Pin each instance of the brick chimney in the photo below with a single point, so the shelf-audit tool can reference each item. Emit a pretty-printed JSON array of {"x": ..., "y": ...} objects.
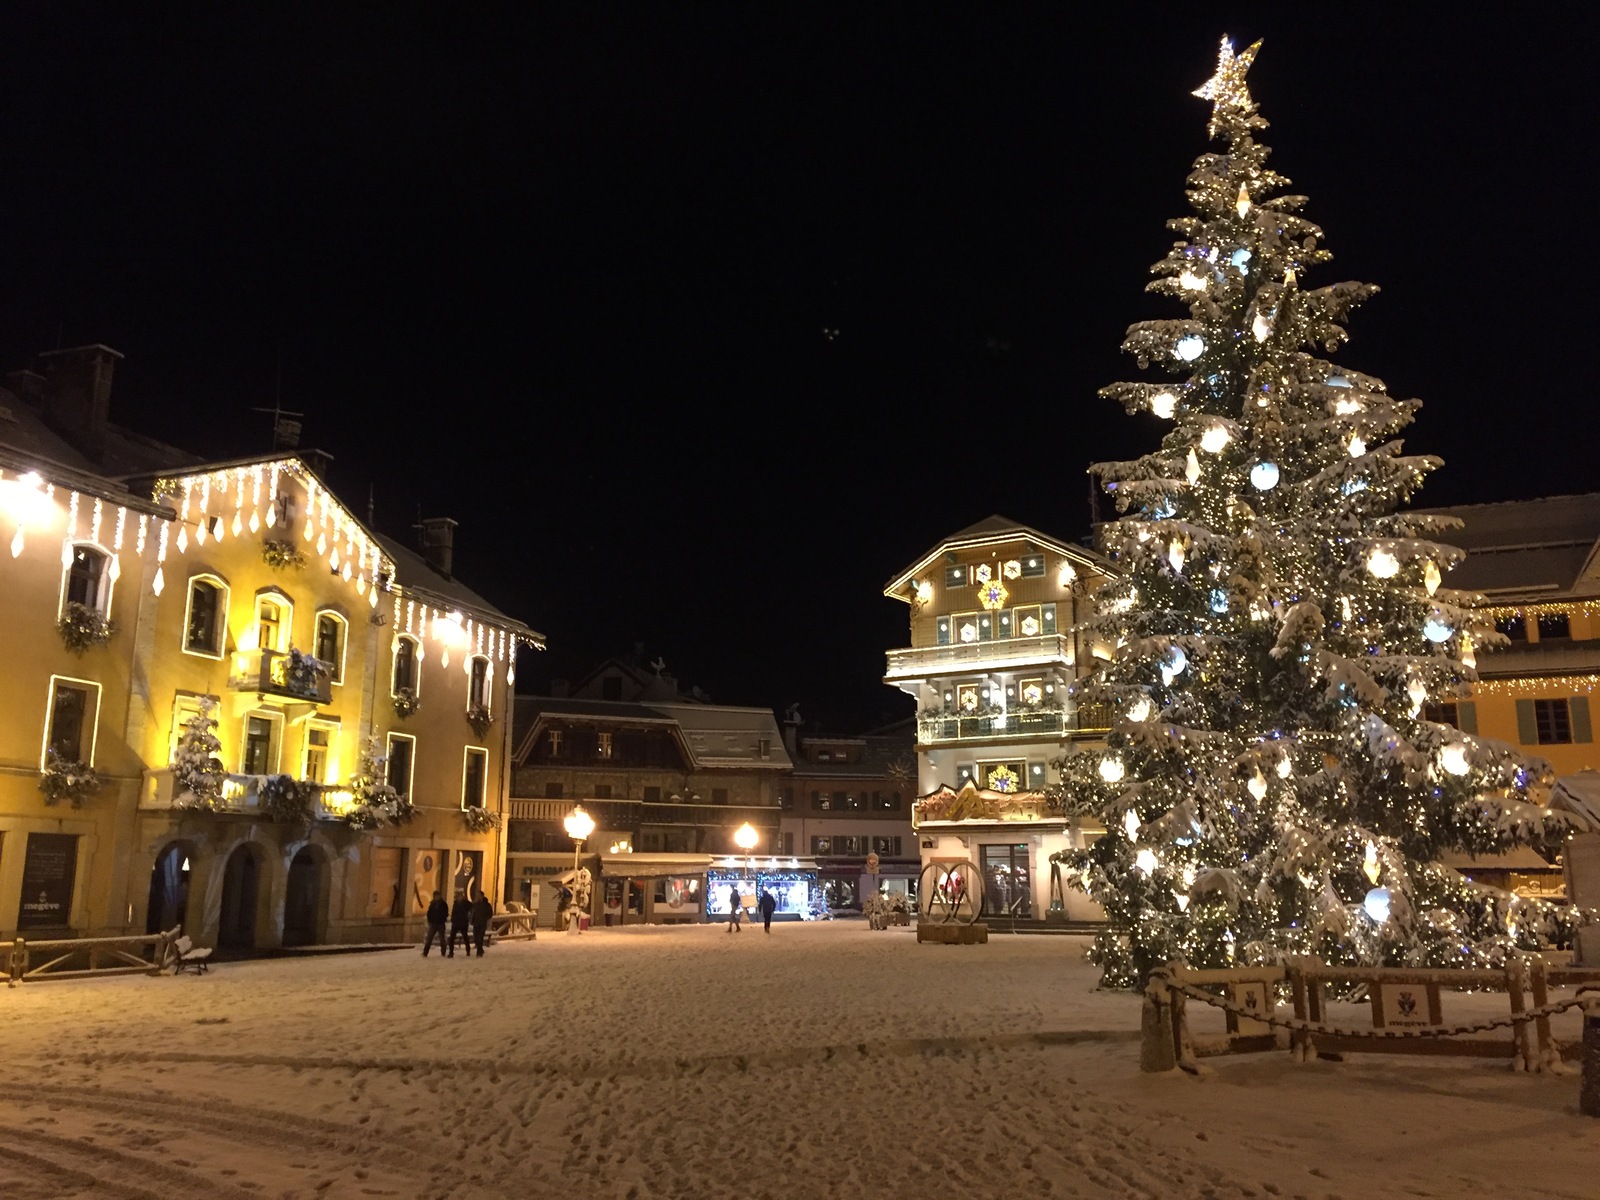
[
  {"x": 438, "y": 542},
  {"x": 77, "y": 395}
]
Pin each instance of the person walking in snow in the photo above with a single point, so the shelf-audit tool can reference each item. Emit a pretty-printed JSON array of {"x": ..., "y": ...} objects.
[
  {"x": 482, "y": 910},
  {"x": 767, "y": 905},
  {"x": 460, "y": 923},
  {"x": 735, "y": 910},
  {"x": 438, "y": 914}
]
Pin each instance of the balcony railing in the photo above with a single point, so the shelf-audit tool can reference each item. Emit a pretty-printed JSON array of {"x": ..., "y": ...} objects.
[
  {"x": 266, "y": 672},
  {"x": 952, "y": 727},
  {"x": 919, "y": 661},
  {"x": 242, "y": 794}
]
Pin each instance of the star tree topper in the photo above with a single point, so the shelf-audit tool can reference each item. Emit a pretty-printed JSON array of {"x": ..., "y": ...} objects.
[{"x": 1226, "y": 89}]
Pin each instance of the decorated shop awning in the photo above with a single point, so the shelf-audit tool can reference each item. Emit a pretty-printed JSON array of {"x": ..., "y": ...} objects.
[
  {"x": 972, "y": 803},
  {"x": 653, "y": 866}
]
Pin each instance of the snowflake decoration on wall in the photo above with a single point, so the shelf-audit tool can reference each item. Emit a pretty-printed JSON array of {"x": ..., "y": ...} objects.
[
  {"x": 1003, "y": 779},
  {"x": 993, "y": 595}
]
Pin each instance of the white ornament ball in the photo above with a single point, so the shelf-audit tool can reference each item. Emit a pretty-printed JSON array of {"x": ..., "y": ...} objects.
[
  {"x": 1377, "y": 904},
  {"x": 1264, "y": 476},
  {"x": 1111, "y": 769},
  {"x": 1190, "y": 347},
  {"x": 1164, "y": 404},
  {"x": 1214, "y": 439},
  {"x": 1146, "y": 861},
  {"x": 1436, "y": 629},
  {"x": 1383, "y": 564},
  {"x": 1453, "y": 759}
]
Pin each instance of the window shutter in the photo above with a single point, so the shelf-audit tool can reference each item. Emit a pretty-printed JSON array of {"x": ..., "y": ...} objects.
[
  {"x": 1467, "y": 716},
  {"x": 1527, "y": 727},
  {"x": 1578, "y": 706}
]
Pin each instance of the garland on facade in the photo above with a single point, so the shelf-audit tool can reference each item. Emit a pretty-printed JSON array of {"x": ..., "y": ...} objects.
[
  {"x": 81, "y": 627},
  {"x": 197, "y": 771},
  {"x": 68, "y": 780},
  {"x": 378, "y": 802},
  {"x": 282, "y": 555},
  {"x": 480, "y": 820},
  {"x": 406, "y": 703},
  {"x": 286, "y": 801},
  {"x": 303, "y": 674},
  {"x": 479, "y": 718}
]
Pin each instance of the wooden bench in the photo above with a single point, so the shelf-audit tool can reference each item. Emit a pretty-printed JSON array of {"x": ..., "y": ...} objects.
[{"x": 186, "y": 956}]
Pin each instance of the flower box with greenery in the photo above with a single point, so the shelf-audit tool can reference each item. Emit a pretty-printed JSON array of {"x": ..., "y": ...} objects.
[
  {"x": 81, "y": 627},
  {"x": 282, "y": 555},
  {"x": 67, "y": 780},
  {"x": 303, "y": 674},
  {"x": 480, "y": 718},
  {"x": 286, "y": 801},
  {"x": 197, "y": 772},
  {"x": 406, "y": 703},
  {"x": 378, "y": 803},
  {"x": 480, "y": 820}
]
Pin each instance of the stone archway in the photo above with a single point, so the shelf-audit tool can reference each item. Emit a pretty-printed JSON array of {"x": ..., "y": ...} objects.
[
  {"x": 305, "y": 898},
  {"x": 169, "y": 889},
  {"x": 241, "y": 888}
]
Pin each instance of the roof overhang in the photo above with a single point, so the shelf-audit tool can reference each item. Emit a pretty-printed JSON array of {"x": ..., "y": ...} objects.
[{"x": 900, "y": 587}]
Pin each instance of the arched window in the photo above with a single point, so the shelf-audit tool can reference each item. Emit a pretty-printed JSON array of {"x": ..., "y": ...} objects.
[
  {"x": 205, "y": 624},
  {"x": 331, "y": 637},
  {"x": 88, "y": 579},
  {"x": 478, "y": 682},
  {"x": 406, "y": 674},
  {"x": 274, "y": 621}
]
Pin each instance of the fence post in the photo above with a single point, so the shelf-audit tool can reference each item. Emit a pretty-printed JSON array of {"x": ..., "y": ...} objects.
[
  {"x": 1549, "y": 1057},
  {"x": 1589, "y": 1087},
  {"x": 19, "y": 961},
  {"x": 1516, "y": 981},
  {"x": 1157, "y": 1043}
]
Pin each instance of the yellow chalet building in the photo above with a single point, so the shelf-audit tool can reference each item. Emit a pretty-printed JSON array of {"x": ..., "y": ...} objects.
[
  {"x": 991, "y": 664},
  {"x": 145, "y": 587}
]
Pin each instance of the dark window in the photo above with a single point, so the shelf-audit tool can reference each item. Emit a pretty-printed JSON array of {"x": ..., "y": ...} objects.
[
  {"x": 1554, "y": 721},
  {"x": 68, "y": 720},
  {"x": 886, "y": 845},
  {"x": 328, "y": 647},
  {"x": 257, "y": 746},
  {"x": 405, "y": 665},
  {"x": 1514, "y": 627},
  {"x": 611, "y": 687},
  {"x": 840, "y": 802},
  {"x": 821, "y": 845},
  {"x": 955, "y": 577},
  {"x": 1445, "y": 713},
  {"x": 886, "y": 801},
  {"x": 719, "y": 795},
  {"x": 601, "y": 791},
  {"x": 1033, "y": 566},
  {"x": 819, "y": 802},
  {"x": 786, "y": 797},
  {"x": 205, "y": 607},
  {"x": 1554, "y": 625},
  {"x": 478, "y": 683},
  {"x": 477, "y": 772},
  {"x": 553, "y": 791},
  {"x": 399, "y": 766},
  {"x": 652, "y": 795},
  {"x": 554, "y": 743},
  {"x": 83, "y": 577},
  {"x": 786, "y": 841}
]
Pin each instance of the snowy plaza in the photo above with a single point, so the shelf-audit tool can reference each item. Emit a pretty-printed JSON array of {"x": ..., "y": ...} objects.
[{"x": 823, "y": 1060}]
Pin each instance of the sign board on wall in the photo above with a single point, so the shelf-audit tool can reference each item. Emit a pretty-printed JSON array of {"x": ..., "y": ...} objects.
[{"x": 49, "y": 870}]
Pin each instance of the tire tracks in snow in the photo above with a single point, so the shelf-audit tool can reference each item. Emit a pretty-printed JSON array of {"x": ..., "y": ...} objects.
[
  {"x": 83, "y": 1164},
  {"x": 629, "y": 1068}
]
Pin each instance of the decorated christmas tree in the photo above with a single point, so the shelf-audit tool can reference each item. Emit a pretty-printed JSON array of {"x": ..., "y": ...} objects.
[
  {"x": 377, "y": 801},
  {"x": 196, "y": 769},
  {"x": 1273, "y": 783}
]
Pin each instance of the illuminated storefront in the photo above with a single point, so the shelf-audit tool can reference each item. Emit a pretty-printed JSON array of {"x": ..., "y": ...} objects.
[
  {"x": 792, "y": 881},
  {"x": 652, "y": 889}
]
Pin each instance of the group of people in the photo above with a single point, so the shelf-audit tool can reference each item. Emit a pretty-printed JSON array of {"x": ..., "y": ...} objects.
[
  {"x": 468, "y": 920},
  {"x": 766, "y": 905}
]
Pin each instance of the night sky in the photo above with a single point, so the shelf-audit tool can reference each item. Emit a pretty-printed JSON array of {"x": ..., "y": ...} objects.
[{"x": 568, "y": 273}]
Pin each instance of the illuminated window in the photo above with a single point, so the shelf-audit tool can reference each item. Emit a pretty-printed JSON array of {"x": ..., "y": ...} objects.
[
  {"x": 401, "y": 751},
  {"x": 474, "y": 777},
  {"x": 603, "y": 744},
  {"x": 272, "y": 623},
  {"x": 88, "y": 579},
  {"x": 478, "y": 683},
  {"x": 405, "y": 673},
  {"x": 955, "y": 577},
  {"x": 1033, "y": 566},
  {"x": 553, "y": 746},
  {"x": 330, "y": 644},
  {"x": 206, "y": 623},
  {"x": 319, "y": 746},
  {"x": 70, "y": 731}
]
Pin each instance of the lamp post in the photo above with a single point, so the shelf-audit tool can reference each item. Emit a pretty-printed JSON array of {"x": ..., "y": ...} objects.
[
  {"x": 746, "y": 837},
  {"x": 579, "y": 825}
]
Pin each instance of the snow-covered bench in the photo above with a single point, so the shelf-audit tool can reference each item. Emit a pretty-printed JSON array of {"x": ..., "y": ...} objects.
[{"x": 186, "y": 956}]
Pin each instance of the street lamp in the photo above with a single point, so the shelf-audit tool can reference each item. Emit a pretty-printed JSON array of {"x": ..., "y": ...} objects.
[
  {"x": 579, "y": 825},
  {"x": 745, "y": 837}
]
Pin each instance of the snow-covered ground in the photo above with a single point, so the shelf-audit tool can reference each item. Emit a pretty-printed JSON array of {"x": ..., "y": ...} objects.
[{"x": 826, "y": 1060}]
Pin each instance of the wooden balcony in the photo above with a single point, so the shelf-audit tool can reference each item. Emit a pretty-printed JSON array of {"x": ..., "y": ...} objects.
[
  {"x": 1084, "y": 720},
  {"x": 1000, "y": 654},
  {"x": 241, "y": 794}
]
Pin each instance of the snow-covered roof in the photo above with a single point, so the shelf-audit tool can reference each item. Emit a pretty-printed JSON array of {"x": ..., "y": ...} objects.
[
  {"x": 719, "y": 736},
  {"x": 1534, "y": 548},
  {"x": 1578, "y": 796}
]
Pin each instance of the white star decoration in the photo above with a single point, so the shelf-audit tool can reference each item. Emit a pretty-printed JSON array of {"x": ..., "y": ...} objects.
[{"x": 1226, "y": 89}]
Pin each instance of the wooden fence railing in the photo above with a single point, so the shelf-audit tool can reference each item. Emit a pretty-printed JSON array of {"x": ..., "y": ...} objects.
[{"x": 142, "y": 954}]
